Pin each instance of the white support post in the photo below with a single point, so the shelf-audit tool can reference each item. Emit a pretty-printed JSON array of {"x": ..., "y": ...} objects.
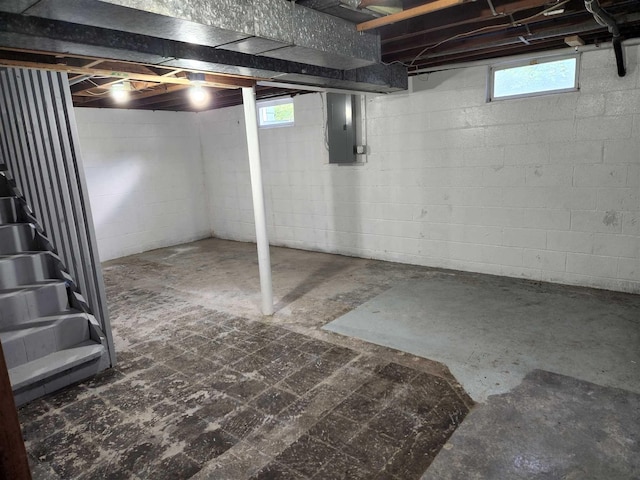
[{"x": 253, "y": 144}]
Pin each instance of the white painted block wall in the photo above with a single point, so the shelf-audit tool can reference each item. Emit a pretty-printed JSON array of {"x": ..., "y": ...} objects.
[
  {"x": 145, "y": 178},
  {"x": 545, "y": 188}
]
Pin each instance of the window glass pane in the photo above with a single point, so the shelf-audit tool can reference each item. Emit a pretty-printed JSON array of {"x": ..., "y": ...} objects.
[
  {"x": 542, "y": 77},
  {"x": 281, "y": 114}
]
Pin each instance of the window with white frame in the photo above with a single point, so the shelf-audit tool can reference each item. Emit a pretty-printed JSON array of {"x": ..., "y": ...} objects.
[
  {"x": 276, "y": 113},
  {"x": 534, "y": 77}
]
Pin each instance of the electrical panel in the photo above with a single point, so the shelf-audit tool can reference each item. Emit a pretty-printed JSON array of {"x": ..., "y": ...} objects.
[{"x": 341, "y": 127}]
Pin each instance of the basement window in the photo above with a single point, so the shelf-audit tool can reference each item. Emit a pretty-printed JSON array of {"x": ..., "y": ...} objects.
[
  {"x": 534, "y": 77},
  {"x": 276, "y": 113}
]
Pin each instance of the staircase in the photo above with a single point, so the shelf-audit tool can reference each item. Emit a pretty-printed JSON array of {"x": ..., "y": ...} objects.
[{"x": 49, "y": 337}]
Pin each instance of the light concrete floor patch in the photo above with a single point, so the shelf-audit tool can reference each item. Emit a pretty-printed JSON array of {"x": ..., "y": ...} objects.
[{"x": 492, "y": 331}]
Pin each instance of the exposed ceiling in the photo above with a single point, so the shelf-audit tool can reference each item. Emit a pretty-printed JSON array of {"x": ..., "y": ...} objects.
[
  {"x": 476, "y": 30},
  {"x": 289, "y": 46}
]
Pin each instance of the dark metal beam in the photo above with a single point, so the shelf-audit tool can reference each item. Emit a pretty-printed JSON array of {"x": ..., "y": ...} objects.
[{"x": 34, "y": 33}]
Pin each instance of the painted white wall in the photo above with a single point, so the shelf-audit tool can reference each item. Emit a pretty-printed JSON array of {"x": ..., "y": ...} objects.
[
  {"x": 145, "y": 178},
  {"x": 546, "y": 188}
]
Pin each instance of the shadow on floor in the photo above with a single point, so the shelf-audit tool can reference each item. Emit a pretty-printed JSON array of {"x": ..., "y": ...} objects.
[{"x": 314, "y": 280}]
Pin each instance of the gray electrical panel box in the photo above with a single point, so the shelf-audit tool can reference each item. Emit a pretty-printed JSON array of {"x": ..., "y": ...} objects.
[{"x": 341, "y": 128}]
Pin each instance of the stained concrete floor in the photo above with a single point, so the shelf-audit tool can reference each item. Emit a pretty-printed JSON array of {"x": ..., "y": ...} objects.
[
  {"x": 207, "y": 388},
  {"x": 550, "y": 427}
]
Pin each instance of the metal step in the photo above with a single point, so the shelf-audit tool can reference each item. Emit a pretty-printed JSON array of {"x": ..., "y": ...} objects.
[
  {"x": 38, "y": 339},
  {"x": 56, "y": 370},
  {"x": 18, "y": 305},
  {"x": 17, "y": 238},
  {"x": 29, "y": 268},
  {"x": 9, "y": 210}
]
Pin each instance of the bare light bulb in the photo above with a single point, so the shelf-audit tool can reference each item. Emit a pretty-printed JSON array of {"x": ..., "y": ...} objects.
[
  {"x": 119, "y": 92},
  {"x": 199, "y": 96}
]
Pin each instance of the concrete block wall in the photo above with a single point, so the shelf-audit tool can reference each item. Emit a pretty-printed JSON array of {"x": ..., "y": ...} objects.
[
  {"x": 145, "y": 178},
  {"x": 544, "y": 188}
]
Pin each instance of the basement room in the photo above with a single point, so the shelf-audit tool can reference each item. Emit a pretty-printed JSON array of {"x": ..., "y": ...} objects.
[{"x": 320, "y": 239}]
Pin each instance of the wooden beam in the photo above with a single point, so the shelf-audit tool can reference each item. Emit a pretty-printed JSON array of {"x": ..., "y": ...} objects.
[
  {"x": 409, "y": 13},
  {"x": 93, "y": 63},
  {"x": 211, "y": 80},
  {"x": 172, "y": 72},
  {"x": 13, "y": 456},
  {"x": 147, "y": 98},
  {"x": 444, "y": 20}
]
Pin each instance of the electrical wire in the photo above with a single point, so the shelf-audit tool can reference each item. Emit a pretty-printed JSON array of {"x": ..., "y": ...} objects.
[{"x": 482, "y": 29}]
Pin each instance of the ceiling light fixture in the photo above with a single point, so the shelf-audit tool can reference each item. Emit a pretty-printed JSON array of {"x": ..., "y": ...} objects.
[
  {"x": 198, "y": 94},
  {"x": 120, "y": 91}
]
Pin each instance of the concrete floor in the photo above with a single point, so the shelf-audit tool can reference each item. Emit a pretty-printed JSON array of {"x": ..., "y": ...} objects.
[
  {"x": 491, "y": 331},
  {"x": 208, "y": 388},
  {"x": 495, "y": 334},
  {"x": 550, "y": 427}
]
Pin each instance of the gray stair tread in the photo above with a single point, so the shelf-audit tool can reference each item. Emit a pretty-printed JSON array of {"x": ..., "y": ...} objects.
[
  {"x": 54, "y": 363},
  {"x": 5, "y": 256},
  {"x": 33, "y": 253},
  {"x": 31, "y": 286},
  {"x": 39, "y": 324},
  {"x": 42, "y": 322},
  {"x": 11, "y": 225}
]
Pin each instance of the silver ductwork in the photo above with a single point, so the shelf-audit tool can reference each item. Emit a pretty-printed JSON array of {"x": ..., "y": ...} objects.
[{"x": 272, "y": 28}]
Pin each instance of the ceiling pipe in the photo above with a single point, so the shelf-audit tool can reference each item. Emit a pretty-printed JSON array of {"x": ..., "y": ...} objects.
[{"x": 606, "y": 20}]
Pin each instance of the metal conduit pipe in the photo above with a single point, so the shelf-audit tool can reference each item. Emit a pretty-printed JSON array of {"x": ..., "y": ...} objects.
[{"x": 606, "y": 20}]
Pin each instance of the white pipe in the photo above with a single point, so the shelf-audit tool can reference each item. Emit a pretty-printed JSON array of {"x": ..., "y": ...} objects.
[{"x": 253, "y": 145}]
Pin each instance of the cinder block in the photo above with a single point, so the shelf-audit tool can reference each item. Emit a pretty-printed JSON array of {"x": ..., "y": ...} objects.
[
  {"x": 633, "y": 176},
  {"x": 604, "y": 175},
  {"x": 573, "y": 153},
  {"x": 623, "y": 102},
  {"x": 616, "y": 245},
  {"x": 595, "y": 221},
  {"x": 622, "y": 151},
  {"x": 548, "y": 219},
  {"x": 484, "y": 156},
  {"x": 572, "y": 198},
  {"x": 592, "y": 265},
  {"x": 465, "y": 233},
  {"x": 631, "y": 223},
  {"x": 530, "y": 154},
  {"x": 507, "y": 176},
  {"x": 552, "y": 131},
  {"x": 603, "y": 128},
  {"x": 618, "y": 199},
  {"x": 528, "y": 197},
  {"x": 544, "y": 259},
  {"x": 590, "y": 104},
  {"x": 549, "y": 175},
  {"x": 629, "y": 269},
  {"x": 499, "y": 135},
  {"x": 491, "y": 254},
  {"x": 604, "y": 79},
  {"x": 524, "y": 237}
]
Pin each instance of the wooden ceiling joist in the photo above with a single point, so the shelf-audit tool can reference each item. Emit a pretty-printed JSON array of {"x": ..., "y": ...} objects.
[
  {"x": 409, "y": 13},
  {"x": 217, "y": 81}
]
